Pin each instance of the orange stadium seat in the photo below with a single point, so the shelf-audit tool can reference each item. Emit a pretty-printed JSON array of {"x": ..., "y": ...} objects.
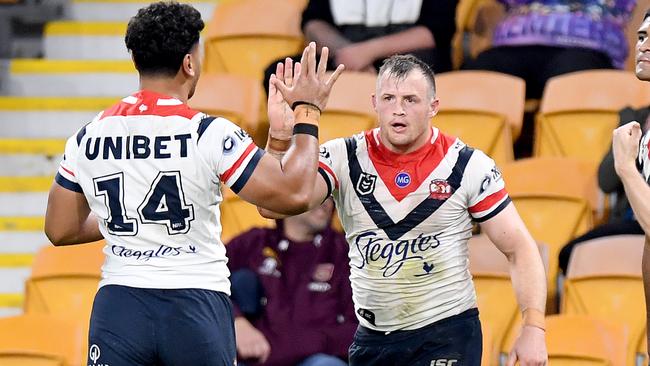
[
  {"x": 554, "y": 197},
  {"x": 579, "y": 110},
  {"x": 238, "y": 216},
  {"x": 245, "y": 36},
  {"x": 471, "y": 110},
  {"x": 608, "y": 289},
  {"x": 498, "y": 308},
  {"x": 234, "y": 97},
  {"x": 349, "y": 108},
  {"x": 40, "y": 340}
]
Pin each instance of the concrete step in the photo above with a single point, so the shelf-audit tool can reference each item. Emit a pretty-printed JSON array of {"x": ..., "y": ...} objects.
[
  {"x": 23, "y": 204},
  {"x": 21, "y": 242},
  {"x": 70, "y": 78},
  {"x": 85, "y": 40},
  {"x": 49, "y": 117},
  {"x": 123, "y": 10},
  {"x": 25, "y": 165},
  {"x": 25, "y": 184}
]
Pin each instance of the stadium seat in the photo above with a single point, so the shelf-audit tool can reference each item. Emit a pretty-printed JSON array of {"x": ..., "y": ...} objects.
[
  {"x": 40, "y": 340},
  {"x": 604, "y": 280},
  {"x": 496, "y": 299},
  {"x": 470, "y": 110},
  {"x": 234, "y": 97},
  {"x": 64, "y": 280},
  {"x": 579, "y": 110},
  {"x": 244, "y": 37},
  {"x": 238, "y": 216},
  {"x": 349, "y": 108},
  {"x": 580, "y": 340},
  {"x": 553, "y": 213}
]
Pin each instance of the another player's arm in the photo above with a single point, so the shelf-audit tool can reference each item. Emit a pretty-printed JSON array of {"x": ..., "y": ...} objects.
[
  {"x": 287, "y": 186},
  {"x": 508, "y": 232},
  {"x": 68, "y": 219},
  {"x": 625, "y": 146}
]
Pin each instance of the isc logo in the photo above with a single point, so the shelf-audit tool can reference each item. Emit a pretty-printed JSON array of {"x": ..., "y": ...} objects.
[{"x": 443, "y": 362}]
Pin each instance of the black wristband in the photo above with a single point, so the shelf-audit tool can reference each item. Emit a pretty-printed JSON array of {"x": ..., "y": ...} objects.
[
  {"x": 306, "y": 128},
  {"x": 300, "y": 102}
]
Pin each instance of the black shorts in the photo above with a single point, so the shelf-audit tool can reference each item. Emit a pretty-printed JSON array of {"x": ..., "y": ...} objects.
[
  {"x": 454, "y": 341},
  {"x": 138, "y": 326}
]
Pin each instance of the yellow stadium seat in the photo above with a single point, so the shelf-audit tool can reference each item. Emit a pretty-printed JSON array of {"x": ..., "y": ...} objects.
[
  {"x": 495, "y": 295},
  {"x": 245, "y": 36},
  {"x": 234, "y": 97},
  {"x": 604, "y": 280},
  {"x": 238, "y": 216},
  {"x": 554, "y": 197},
  {"x": 64, "y": 280},
  {"x": 579, "y": 110},
  {"x": 470, "y": 110},
  {"x": 40, "y": 340},
  {"x": 349, "y": 108}
]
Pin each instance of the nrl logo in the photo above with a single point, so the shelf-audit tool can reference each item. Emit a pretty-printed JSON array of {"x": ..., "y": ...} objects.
[{"x": 366, "y": 184}]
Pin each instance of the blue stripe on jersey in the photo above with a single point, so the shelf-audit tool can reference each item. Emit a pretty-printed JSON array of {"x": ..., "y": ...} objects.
[
  {"x": 395, "y": 230},
  {"x": 67, "y": 184},
  {"x": 203, "y": 125},
  {"x": 81, "y": 135},
  {"x": 495, "y": 211},
  {"x": 327, "y": 181},
  {"x": 248, "y": 171}
]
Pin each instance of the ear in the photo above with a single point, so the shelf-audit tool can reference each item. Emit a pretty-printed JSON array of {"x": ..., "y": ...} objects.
[
  {"x": 433, "y": 108},
  {"x": 189, "y": 65},
  {"x": 373, "y": 100}
]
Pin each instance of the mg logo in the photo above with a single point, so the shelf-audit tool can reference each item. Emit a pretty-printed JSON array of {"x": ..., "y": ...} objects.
[
  {"x": 94, "y": 353},
  {"x": 403, "y": 179}
]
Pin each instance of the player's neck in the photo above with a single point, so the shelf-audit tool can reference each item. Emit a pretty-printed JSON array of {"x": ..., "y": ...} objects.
[{"x": 164, "y": 86}]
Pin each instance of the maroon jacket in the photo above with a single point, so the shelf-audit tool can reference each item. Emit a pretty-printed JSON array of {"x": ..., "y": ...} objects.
[{"x": 309, "y": 305}]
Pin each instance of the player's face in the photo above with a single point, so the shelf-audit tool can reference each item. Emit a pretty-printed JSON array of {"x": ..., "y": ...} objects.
[
  {"x": 643, "y": 51},
  {"x": 404, "y": 108},
  {"x": 319, "y": 218}
]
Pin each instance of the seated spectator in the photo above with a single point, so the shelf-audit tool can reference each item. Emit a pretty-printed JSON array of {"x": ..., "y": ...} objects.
[
  {"x": 537, "y": 40},
  {"x": 291, "y": 292},
  {"x": 621, "y": 218},
  {"x": 361, "y": 33}
]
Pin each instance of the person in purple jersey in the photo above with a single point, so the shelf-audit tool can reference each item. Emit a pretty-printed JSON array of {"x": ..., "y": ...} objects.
[
  {"x": 627, "y": 146},
  {"x": 291, "y": 292},
  {"x": 539, "y": 39}
]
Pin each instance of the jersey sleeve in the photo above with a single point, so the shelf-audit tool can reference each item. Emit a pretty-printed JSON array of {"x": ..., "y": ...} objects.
[
  {"x": 330, "y": 158},
  {"x": 644, "y": 156},
  {"x": 486, "y": 188},
  {"x": 230, "y": 151},
  {"x": 66, "y": 176}
]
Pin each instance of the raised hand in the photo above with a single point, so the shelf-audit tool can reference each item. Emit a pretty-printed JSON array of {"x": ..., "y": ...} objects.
[
  {"x": 625, "y": 146},
  {"x": 281, "y": 119},
  {"x": 310, "y": 82}
]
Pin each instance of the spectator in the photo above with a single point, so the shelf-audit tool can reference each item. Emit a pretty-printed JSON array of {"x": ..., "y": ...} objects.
[
  {"x": 291, "y": 292},
  {"x": 621, "y": 218},
  {"x": 360, "y": 34},
  {"x": 537, "y": 40}
]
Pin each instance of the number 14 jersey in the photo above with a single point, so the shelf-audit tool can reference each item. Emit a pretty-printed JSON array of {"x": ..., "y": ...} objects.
[{"x": 151, "y": 170}]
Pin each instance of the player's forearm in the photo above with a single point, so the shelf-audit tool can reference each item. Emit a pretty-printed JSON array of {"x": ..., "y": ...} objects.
[
  {"x": 325, "y": 35},
  {"x": 415, "y": 38},
  {"x": 638, "y": 193},
  {"x": 528, "y": 276},
  {"x": 65, "y": 234}
]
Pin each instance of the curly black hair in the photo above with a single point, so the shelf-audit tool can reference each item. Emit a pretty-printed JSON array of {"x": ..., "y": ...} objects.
[{"x": 160, "y": 35}]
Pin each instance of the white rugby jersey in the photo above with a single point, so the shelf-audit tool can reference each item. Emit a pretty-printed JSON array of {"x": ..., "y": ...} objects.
[
  {"x": 407, "y": 219},
  {"x": 644, "y": 156},
  {"x": 151, "y": 169}
]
